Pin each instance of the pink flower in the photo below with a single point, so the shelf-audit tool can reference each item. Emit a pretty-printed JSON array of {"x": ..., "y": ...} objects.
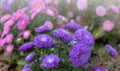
[
  {"x": 9, "y": 38},
  {"x": 115, "y": 9},
  {"x": 2, "y": 42},
  {"x": 68, "y": 1},
  {"x": 23, "y": 22},
  {"x": 70, "y": 14},
  {"x": 78, "y": 18},
  {"x": 82, "y": 5},
  {"x": 6, "y": 30},
  {"x": 100, "y": 11},
  {"x": 26, "y": 34},
  {"x": 5, "y": 18},
  {"x": 108, "y": 25},
  {"x": 9, "y": 23},
  {"x": 9, "y": 48},
  {"x": 56, "y": 2},
  {"x": 36, "y": 6},
  {"x": 17, "y": 15},
  {"x": 62, "y": 18},
  {"x": 47, "y": 1},
  {"x": 60, "y": 24},
  {"x": 51, "y": 11},
  {"x": 49, "y": 24}
]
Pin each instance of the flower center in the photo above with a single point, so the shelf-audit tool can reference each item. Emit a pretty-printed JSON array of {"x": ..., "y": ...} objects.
[{"x": 37, "y": 5}]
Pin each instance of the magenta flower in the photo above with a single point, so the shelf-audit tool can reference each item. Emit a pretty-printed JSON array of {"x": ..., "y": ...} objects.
[
  {"x": 9, "y": 23},
  {"x": 2, "y": 42},
  {"x": 5, "y": 17},
  {"x": 49, "y": 24},
  {"x": 100, "y": 11},
  {"x": 115, "y": 9},
  {"x": 9, "y": 48},
  {"x": 17, "y": 15},
  {"x": 9, "y": 38},
  {"x": 82, "y": 5},
  {"x": 6, "y": 30},
  {"x": 108, "y": 25},
  {"x": 26, "y": 34},
  {"x": 23, "y": 22}
]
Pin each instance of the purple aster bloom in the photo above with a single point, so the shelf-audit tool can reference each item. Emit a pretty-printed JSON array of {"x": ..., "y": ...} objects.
[
  {"x": 51, "y": 61},
  {"x": 42, "y": 29},
  {"x": 44, "y": 41},
  {"x": 73, "y": 26},
  {"x": 30, "y": 57},
  {"x": 111, "y": 50},
  {"x": 6, "y": 5},
  {"x": 84, "y": 36},
  {"x": 26, "y": 46},
  {"x": 26, "y": 69},
  {"x": 98, "y": 68},
  {"x": 63, "y": 34},
  {"x": 80, "y": 54}
]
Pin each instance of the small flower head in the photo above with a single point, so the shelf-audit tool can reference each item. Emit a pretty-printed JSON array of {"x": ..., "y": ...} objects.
[
  {"x": 115, "y": 9},
  {"x": 108, "y": 25},
  {"x": 26, "y": 69},
  {"x": 98, "y": 68},
  {"x": 84, "y": 36},
  {"x": 9, "y": 48},
  {"x": 101, "y": 11},
  {"x": 5, "y": 17},
  {"x": 26, "y": 34},
  {"x": 26, "y": 46},
  {"x": 51, "y": 61},
  {"x": 73, "y": 26},
  {"x": 80, "y": 54},
  {"x": 44, "y": 41},
  {"x": 30, "y": 57},
  {"x": 37, "y": 6},
  {"x": 52, "y": 11},
  {"x": 111, "y": 50},
  {"x": 23, "y": 22},
  {"x": 9, "y": 38},
  {"x": 63, "y": 34},
  {"x": 82, "y": 5},
  {"x": 70, "y": 14},
  {"x": 49, "y": 24},
  {"x": 42, "y": 29}
]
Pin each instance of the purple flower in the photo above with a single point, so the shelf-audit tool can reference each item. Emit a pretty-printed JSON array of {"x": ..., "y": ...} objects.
[
  {"x": 44, "y": 41},
  {"x": 111, "y": 50},
  {"x": 80, "y": 54},
  {"x": 26, "y": 46},
  {"x": 73, "y": 26},
  {"x": 98, "y": 68},
  {"x": 30, "y": 57},
  {"x": 101, "y": 11},
  {"x": 51, "y": 61},
  {"x": 42, "y": 29},
  {"x": 108, "y": 25},
  {"x": 26, "y": 69},
  {"x": 6, "y": 5},
  {"x": 84, "y": 36},
  {"x": 82, "y": 5},
  {"x": 63, "y": 34}
]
